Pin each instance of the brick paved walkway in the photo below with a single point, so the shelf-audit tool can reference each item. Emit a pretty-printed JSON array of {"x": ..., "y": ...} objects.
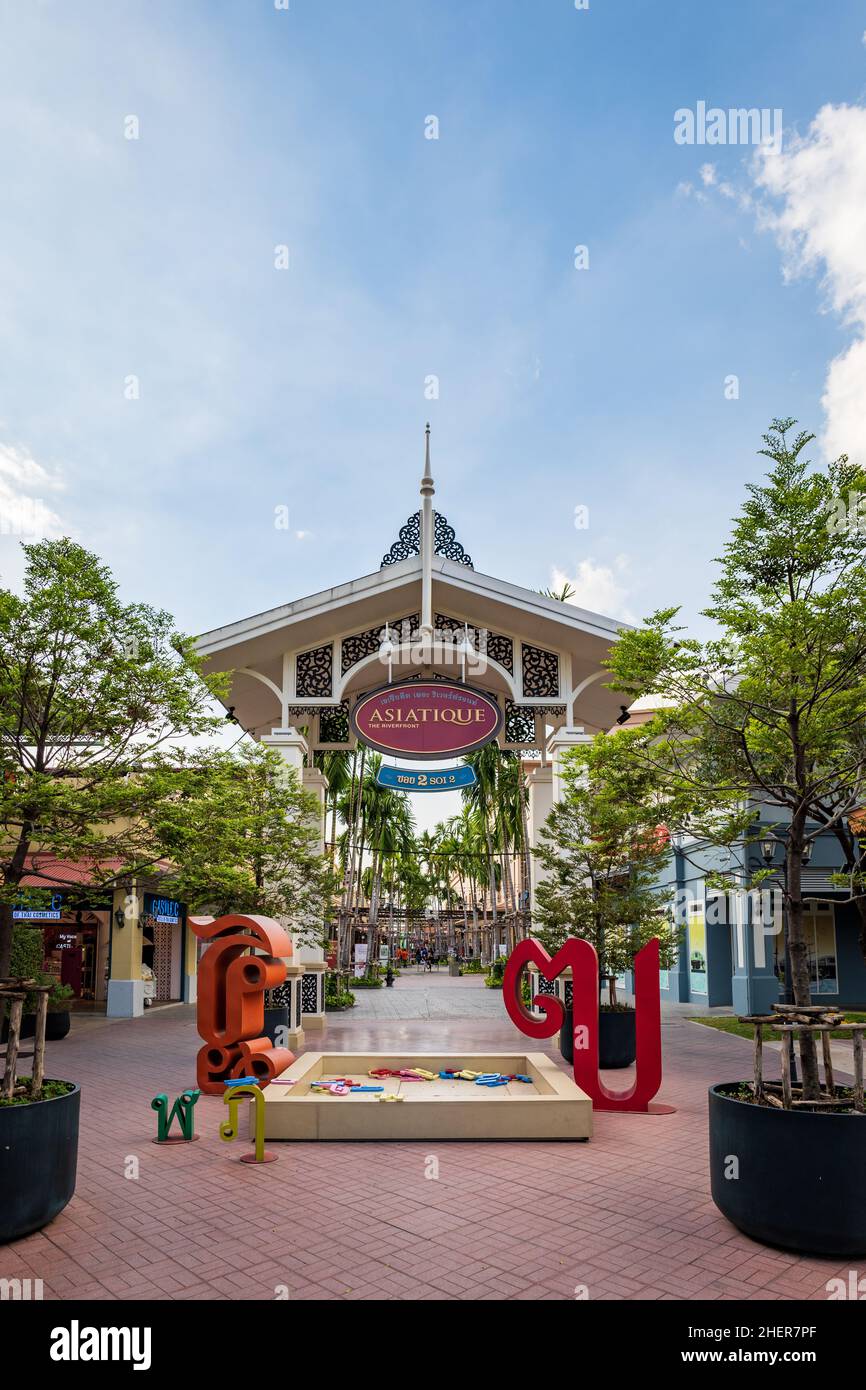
[{"x": 628, "y": 1215}]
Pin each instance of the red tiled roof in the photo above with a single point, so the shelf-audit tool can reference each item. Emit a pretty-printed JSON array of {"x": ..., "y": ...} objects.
[{"x": 44, "y": 870}]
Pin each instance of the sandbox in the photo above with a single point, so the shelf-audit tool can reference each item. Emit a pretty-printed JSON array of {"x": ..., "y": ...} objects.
[{"x": 550, "y": 1106}]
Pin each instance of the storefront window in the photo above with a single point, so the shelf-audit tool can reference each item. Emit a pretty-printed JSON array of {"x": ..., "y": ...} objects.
[
  {"x": 819, "y": 925},
  {"x": 697, "y": 950}
]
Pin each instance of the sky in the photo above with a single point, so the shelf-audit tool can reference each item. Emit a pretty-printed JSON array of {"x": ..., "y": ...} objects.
[{"x": 238, "y": 274}]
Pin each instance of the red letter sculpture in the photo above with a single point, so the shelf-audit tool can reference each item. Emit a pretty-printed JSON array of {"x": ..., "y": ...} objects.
[
  {"x": 231, "y": 999},
  {"x": 581, "y": 956}
]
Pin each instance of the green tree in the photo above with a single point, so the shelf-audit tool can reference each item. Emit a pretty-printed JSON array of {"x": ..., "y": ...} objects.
[
  {"x": 602, "y": 852},
  {"x": 773, "y": 708},
  {"x": 245, "y": 837},
  {"x": 92, "y": 692}
]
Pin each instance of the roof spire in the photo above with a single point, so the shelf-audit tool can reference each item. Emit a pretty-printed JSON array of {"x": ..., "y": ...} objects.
[
  {"x": 427, "y": 491},
  {"x": 428, "y": 476}
]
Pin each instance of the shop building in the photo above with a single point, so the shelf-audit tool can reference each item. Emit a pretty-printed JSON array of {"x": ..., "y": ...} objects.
[
  {"x": 119, "y": 950},
  {"x": 733, "y": 948}
]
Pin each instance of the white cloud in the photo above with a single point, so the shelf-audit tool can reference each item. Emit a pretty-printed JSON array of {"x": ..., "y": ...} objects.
[
  {"x": 597, "y": 587},
  {"x": 23, "y": 511},
  {"x": 708, "y": 174},
  {"x": 819, "y": 220}
]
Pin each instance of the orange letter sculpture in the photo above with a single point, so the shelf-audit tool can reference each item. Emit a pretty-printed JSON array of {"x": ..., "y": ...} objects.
[{"x": 231, "y": 999}]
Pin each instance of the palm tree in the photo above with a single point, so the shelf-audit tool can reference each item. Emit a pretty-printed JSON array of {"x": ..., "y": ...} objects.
[
  {"x": 334, "y": 763},
  {"x": 562, "y": 594},
  {"x": 388, "y": 826}
]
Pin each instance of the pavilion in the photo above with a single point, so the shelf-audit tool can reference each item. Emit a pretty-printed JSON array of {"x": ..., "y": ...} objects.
[{"x": 425, "y": 612}]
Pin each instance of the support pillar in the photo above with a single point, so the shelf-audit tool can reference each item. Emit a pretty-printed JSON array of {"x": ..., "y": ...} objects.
[
  {"x": 313, "y": 996},
  {"x": 540, "y": 792},
  {"x": 290, "y": 994},
  {"x": 190, "y": 968},
  {"x": 125, "y": 985},
  {"x": 316, "y": 783},
  {"x": 561, "y": 740}
]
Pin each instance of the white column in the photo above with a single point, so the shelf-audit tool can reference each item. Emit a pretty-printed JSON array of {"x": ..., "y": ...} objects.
[
  {"x": 316, "y": 783},
  {"x": 561, "y": 740},
  {"x": 293, "y": 749},
  {"x": 540, "y": 788},
  {"x": 291, "y": 746}
]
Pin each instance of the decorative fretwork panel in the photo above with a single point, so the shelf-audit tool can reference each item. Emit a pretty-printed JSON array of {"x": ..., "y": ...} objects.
[
  {"x": 362, "y": 644},
  {"x": 540, "y": 671},
  {"x": 314, "y": 676},
  {"x": 445, "y": 542},
  {"x": 519, "y": 723},
  {"x": 499, "y": 648},
  {"x": 162, "y": 934},
  {"x": 310, "y": 992},
  {"x": 334, "y": 724}
]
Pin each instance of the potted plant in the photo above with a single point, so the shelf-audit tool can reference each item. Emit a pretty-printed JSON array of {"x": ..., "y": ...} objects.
[
  {"x": 58, "y": 1022},
  {"x": 817, "y": 1204},
  {"x": 602, "y": 852},
  {"x": 38, "y": 1124}
]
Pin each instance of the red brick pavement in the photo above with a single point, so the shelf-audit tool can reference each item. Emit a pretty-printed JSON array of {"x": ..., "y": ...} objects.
[{"x": 627, "y": 1216}]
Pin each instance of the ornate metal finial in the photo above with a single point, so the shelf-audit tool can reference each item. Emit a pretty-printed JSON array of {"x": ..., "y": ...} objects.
[
  {"x": 444, "y": 539},
  {"x": 444, "y": 542}
]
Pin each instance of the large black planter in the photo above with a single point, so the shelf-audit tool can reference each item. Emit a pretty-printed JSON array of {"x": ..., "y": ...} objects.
[
  {"x": 799, "y": 1180},
  {"x": 57, "y": 1024},
  {"x": 616, "y": 1038},
  {"x": 275, "y": 1018},
  {"x": 38, "y": 1159}
]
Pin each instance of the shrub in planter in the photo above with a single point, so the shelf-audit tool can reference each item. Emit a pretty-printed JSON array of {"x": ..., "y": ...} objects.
[
  {"x": 617, "y": 1045},
  {"x": 798, "y": 1178},
  {"x": 339, "y": 1000},
  {"x": 495, "y": 973},
  {"x": 38, "y": 1136},
  {"x": 787, "y": 1160},
  {"x": 38, "y": 1157},
  {"x": 58, "y": 1022},
  {"x": 26, "y": 964},
  {"x": 276, "y": 1016}
]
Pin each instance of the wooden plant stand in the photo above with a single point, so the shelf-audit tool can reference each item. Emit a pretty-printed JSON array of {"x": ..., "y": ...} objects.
[{"x": 819, "y": 1021}]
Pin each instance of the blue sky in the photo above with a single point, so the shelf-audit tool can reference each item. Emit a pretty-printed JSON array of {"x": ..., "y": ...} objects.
[{"x": 409, "y": 257}]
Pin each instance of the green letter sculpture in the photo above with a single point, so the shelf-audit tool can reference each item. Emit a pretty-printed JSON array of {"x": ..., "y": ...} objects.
[{"x": 183, "y": 1108}]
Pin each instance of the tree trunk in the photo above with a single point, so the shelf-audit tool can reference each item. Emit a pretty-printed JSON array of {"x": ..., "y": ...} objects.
[{"x": 798, "y": 951}]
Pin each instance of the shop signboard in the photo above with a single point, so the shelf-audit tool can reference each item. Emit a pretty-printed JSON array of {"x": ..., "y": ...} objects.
[{"x": 426, "y": 719}]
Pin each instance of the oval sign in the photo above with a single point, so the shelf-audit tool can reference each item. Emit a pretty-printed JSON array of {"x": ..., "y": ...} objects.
[{"x": 423, "y": 719}]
